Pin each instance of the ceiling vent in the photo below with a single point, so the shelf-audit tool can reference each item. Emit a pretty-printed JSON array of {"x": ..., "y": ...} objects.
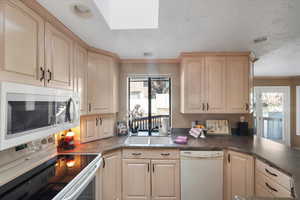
[
  {"x": 148, "y": 54},
  {"x": 82, "y": 10},
  {"x": 260, "y": 39}
]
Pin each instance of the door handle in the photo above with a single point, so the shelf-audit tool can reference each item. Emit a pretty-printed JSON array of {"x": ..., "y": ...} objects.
[
  {"x": 203, "y": 106},
  {"x": 96, "y": 121},
  {"x": 247, "y": 107},
  {"x": 90, "y": 107},
  {"x": 153, "y": 168},
  {"x": 42, "y": 74},
  {"x": 271, "y": 188},
  {"x": 207, "y": 108},
  {"x": 50, "y": 75}
]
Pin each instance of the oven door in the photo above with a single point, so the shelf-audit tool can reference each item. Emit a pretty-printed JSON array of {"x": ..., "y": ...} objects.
[{"x": 85, "y": 186}]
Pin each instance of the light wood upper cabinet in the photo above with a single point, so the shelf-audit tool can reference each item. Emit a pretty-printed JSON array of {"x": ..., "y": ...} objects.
[
  {"x": 216, "y": 77},
  {"x": 239, "y": 175},
  {"x": 237, "y": 74},
  {"x": 80, "y": 84},
  {"x": 21, "y": 43},
  {"x": 165, "y": 179},
  {"x": 136, "y": 179},
  {"x": 112, "y": 176},
  {"x": 89, "y": 130},
  {"x": 193, "y": 85},
  {"x": 215, "y": 83},
  {"x": 106, "y": 127},
  {"x": 102, "y": 84},
  {"x": 59, "y": 60}
]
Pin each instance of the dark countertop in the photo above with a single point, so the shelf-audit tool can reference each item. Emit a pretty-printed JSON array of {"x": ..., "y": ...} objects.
[{"x": 277, "y": 155}]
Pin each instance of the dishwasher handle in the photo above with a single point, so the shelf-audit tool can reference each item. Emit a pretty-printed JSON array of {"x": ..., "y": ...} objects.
[{"x": 201, "y": 154}]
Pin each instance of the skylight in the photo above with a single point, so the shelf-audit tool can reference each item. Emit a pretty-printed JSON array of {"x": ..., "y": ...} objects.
[{"x": 129, "y": 14}]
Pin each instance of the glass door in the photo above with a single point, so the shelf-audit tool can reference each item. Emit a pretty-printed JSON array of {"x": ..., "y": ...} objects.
[
  {"x": 149, "y": 103},
  {"x": 272, "y": 113}
]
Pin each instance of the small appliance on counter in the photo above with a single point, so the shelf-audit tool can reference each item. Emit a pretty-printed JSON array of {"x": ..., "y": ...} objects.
[
  {"x": 242, "y": 127},
  {"x": 68, "y": 141}
]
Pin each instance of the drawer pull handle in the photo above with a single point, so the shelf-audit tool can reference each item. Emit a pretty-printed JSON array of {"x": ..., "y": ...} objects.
[
  {"x": 270, "y": 172},
  {"x": 136, "y": 154},
  {"x": 165, "y": 154},
  {"x": 271, "y": 188}
]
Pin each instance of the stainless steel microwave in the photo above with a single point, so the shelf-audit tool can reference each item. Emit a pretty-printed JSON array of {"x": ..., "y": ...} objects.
[{"x": 28, "y": 112}]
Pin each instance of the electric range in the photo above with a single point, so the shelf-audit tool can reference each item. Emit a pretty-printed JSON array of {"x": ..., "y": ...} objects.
[{"x": 63, "y": 177}]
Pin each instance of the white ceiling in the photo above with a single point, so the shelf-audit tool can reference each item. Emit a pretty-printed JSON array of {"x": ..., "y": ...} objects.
[{"x": 200, "y": 25}]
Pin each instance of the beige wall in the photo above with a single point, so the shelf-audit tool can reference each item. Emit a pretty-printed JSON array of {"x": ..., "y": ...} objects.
[
  {"x": 178, "y": 120},
  {"x": 284, "y": 81}
]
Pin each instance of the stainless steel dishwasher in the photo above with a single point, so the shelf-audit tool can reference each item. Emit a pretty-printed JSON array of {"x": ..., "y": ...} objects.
[{"x": 201, "y": 175}]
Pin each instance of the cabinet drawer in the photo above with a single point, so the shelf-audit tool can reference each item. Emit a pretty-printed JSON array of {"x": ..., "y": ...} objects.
[
  {"x": 151, "y": 153},
  {"x": 274, "y": 174},
  {"x": 271, "y": 186}
]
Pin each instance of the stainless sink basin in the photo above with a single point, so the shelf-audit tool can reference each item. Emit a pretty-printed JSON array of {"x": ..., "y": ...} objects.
[
  {"x": 137, "y": 140},
  {"x": 140, "y": 140},
  {"x": 161, "y": 140}
]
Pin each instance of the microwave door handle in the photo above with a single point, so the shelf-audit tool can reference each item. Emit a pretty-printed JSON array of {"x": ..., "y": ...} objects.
[{"x": 83, "y": 184}]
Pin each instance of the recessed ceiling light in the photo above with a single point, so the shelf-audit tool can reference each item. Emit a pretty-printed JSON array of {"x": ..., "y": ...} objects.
[
  {"x": 82, "y": 10},
  {"x": 260, "y": 39},
  {"x": 133, "y": 14}
]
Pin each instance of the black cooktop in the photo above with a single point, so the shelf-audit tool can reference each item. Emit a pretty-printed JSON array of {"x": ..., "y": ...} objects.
[{"x": 47, "y": 180}]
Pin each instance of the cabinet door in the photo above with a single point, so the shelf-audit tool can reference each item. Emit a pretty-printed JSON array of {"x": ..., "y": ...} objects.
[
  {"x": 240, "y": 175},
  {"x": 111, "y": 176},
  {"x": 100, "y": 93},
  {"x": 89, "y": 129},
  {"x": 21, "y": 44},
  {"x": 237, "y": 77},
  {"x": 165, "y": 180},
  {"x": 81, "y": 77},
  {"x": 59, "y": 52},
  {"x": 193, "y": 85},
  {"x": 136, "y": 179},
  {"x": 107, "y": 125},
  {"x": 216, "y": 78}
]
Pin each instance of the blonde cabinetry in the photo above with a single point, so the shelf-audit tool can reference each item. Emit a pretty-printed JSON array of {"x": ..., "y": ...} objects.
[
  {"x": 21, "y": 43},
  {"x": 94, "y": 127},
  {"x": 239, "y": 175},
  {"x": 111, "y": 176},
  {"x": 238, "y": 88},
  {"x": 136, "y": 179},
  {"x": 272, "y": 181},
  {"x": 80, "y": 79},
  {"x": 151, "y": 175},
  {"x": 102, "y": 84},
  {"x": 59, "y": 58},
  {"x": 215, "y": 83},
  {"x": 193, "y": 85}
]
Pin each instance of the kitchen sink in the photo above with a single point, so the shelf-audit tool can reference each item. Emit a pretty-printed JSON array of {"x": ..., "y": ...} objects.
[
  {"x": 141, "y": 140},
  {"x": 161, "y": 140},
  {"x": 137, "y": 140}
]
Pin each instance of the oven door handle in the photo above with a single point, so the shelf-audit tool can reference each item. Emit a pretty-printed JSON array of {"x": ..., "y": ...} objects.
[{"x": 78, "y": 188}]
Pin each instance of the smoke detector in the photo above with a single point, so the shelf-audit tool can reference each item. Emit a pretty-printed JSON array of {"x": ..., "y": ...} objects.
[{"x": 82, "y": 10}]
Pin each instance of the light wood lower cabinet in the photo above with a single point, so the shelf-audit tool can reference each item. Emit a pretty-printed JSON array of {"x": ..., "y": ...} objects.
[
  {"x": 165, "y": 180},
  {"x": 271, "y": 182},
  {"x": 239, "y": 175},
  {"x": 155, "y": 179},
  {"x": 112, "y": 176},
  {"x": 136, "y": 179}
]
